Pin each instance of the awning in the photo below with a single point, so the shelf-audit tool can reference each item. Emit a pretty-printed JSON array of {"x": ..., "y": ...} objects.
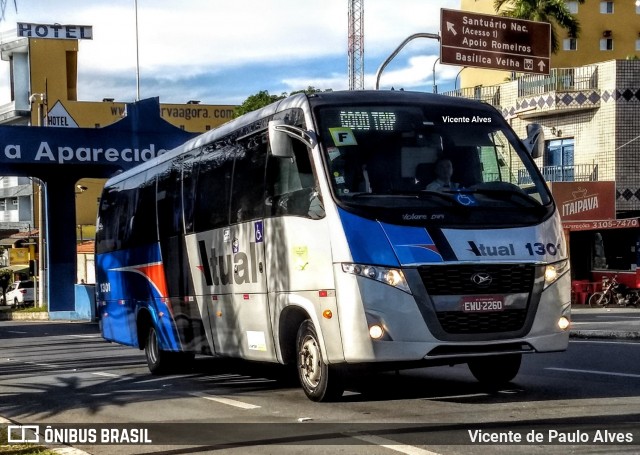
[
  {"x": 15, "y": 268},
  {"x": 595, "y": 225},
  {"x": 8, "y": 242}
]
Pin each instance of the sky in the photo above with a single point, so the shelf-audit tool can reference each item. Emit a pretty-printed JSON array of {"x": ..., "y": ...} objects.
[{"x": 221, "y": 52}]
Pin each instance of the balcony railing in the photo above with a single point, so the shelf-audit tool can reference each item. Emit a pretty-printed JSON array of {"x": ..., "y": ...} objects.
[
  {"x": 570, "y": 173},
  {"x": 490, "y": 94},
  {"x": 559, "y": 79}
]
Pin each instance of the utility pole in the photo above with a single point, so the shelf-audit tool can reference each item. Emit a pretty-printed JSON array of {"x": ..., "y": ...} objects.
[{"x": 356, "y": 44}]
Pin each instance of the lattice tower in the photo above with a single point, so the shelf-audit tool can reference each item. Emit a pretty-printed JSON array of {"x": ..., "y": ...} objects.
[{"x": 356, "y": 44}]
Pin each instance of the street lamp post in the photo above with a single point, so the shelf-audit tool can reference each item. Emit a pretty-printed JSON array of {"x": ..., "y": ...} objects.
[
  {"x": 398, "y": 49},
  {"x": 435, "y": 87},
  {"x": 455, "y": 85}
]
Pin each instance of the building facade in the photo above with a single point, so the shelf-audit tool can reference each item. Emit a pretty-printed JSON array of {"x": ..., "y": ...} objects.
[{"x": 608, "y": 30}]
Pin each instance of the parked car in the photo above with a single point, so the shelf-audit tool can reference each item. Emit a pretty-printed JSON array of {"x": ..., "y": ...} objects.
[{"x": 20, "y": 293}]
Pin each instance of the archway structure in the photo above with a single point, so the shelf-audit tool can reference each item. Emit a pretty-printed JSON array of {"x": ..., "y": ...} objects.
[{"x": 59, "y": 157}]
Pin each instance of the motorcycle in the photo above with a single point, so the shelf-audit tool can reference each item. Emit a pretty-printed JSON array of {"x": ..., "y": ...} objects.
[{"x": 614, "y": 293}]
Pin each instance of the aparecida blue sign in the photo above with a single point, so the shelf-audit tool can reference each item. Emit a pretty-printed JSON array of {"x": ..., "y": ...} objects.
[
  {"x": 138, "y": 137},
  {"x": 59, "y": 157}
]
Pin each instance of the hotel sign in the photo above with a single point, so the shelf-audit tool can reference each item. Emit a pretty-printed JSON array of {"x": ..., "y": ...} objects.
[{"x": 54, "y": 31}]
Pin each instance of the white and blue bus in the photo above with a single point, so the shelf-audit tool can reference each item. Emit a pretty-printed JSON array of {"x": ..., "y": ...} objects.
[{"x": 303, "y": 233}]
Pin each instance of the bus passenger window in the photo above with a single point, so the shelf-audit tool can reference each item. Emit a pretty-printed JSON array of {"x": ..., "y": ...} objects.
[{"x": 247, "y": 197}]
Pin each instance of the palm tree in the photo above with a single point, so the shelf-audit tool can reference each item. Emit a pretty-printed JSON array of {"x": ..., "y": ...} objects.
[{"x": 555, "y": 12}]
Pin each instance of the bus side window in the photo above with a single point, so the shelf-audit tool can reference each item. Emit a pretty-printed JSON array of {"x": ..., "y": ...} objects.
[
  {"x": 107, "y": 229},
  {"x": 189, "y": 180},
  {"x": 142, "y": 231},
  {"x": 247, "y": 197},
  {"x": 292, "y": 185},
  {"x": 211, "y": 193},
  {"x": 169, "y": 202}
]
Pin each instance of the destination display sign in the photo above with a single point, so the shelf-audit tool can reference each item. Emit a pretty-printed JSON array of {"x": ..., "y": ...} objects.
[{"x": 496, "y": 42}]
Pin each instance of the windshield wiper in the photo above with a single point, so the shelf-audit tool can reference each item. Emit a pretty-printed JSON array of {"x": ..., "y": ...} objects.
[{"x": 449, "y": 196}]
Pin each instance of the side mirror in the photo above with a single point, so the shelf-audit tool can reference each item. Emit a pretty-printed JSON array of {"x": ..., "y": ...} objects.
[
  {"x": 535, "y": 140},
  {"x": 279, "y": 140}
]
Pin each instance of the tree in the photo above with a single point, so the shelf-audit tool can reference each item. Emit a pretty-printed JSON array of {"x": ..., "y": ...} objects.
[
  {"x": 260, "y": 99},
  {"x": 554, "y": 12},
  {"x": 263, "y": 98},
  {"x": 5, "y": 278}
]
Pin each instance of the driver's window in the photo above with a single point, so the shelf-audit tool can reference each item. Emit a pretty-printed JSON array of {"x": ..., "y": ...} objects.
[{"x": 292, "y": 185}]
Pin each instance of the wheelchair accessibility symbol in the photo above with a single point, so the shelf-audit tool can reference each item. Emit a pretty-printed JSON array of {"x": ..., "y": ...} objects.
[{"x": 258, "y": 231}]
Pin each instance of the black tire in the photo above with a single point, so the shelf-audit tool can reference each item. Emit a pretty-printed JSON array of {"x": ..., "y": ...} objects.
[
  {"x": 159, "y": 361},
  {"x": 319, "y": 381},
  {"x": 599, "y": 299},
  {"x": 496, "y": 370}
]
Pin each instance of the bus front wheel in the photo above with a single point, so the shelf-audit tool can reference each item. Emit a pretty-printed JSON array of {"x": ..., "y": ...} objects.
[
  {"x": 496, "y": 370},
  {"x": 320, "y": 381}
]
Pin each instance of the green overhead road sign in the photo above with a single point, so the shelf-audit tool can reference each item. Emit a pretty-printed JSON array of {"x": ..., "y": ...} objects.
[{"x": 495, "y": 42}]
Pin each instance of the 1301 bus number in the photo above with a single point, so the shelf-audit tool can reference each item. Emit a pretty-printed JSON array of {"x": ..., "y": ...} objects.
[{"x": 541, "y": 249}]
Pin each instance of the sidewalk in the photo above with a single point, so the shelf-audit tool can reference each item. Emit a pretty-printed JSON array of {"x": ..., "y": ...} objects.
[{"x": 605, "y": 323}]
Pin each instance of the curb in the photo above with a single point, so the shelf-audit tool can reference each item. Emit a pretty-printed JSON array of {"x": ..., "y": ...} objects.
[
  {"x": 12, "y": 316},
  {"x": 605, "y": 334}
]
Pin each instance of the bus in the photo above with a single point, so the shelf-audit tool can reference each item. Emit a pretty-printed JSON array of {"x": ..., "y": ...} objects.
[{"x": 303, "y": 233}]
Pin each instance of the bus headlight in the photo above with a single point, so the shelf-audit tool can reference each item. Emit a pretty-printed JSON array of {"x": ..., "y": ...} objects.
[
  {"x": 554, "y": 271},
  {"x": 392, "y": 277}
]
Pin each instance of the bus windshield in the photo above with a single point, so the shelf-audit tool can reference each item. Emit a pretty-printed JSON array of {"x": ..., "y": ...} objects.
[{"x": 411, "y": 156}]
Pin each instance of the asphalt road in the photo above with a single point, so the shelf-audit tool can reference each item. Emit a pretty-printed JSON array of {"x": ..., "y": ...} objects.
[{"x": 65, "y": 374}]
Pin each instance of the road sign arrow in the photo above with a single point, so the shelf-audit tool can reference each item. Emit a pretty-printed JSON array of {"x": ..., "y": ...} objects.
[
  {"x": 541, "y": 65},
  {"x": 451, "y": 29}
]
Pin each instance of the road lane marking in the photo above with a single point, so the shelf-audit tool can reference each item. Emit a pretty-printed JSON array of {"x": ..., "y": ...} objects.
[
  {"x": 86, "y": 336},
  {"x": 603, "y": 373},
  {"x": 16, "y": 331},
  {"x": 108, "y": 375},
  {"x": 227, "y": 401},
  {"x": 455, "y": 397},
  {"x": 390, "y": 444},
  {"x": 49, "y": 365}
]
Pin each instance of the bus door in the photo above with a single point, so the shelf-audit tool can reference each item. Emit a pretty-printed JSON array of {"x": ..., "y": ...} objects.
[
  {"x": 250, "y": 327},
  {"x": 232, "y": 194}
]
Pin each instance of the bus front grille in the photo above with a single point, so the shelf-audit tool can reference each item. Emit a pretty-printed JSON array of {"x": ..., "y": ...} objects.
[{"x": 459, "y": 280}]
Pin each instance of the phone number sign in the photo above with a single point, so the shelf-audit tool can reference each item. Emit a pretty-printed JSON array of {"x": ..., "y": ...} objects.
[{"x": 601, "y": 224}]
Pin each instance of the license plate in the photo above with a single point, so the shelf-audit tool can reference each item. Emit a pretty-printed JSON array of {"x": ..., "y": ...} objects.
[{"x": 482, "y": 304}]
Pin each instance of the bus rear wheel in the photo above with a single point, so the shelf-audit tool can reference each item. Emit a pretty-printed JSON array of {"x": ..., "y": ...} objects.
[
  {"x": 159, "y": 361},
  {"x": 496, "y": 370},
  {"x": 320, "y": 382}
]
